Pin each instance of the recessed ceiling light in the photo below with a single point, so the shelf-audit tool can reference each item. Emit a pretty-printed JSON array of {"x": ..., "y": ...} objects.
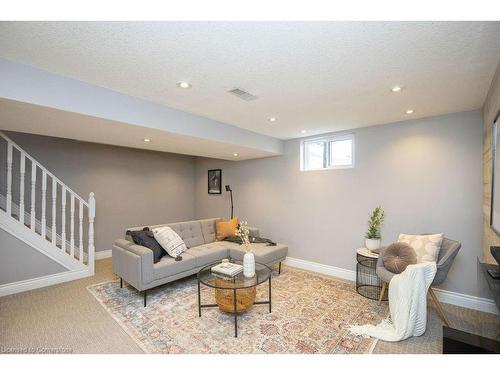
[
  {"x": 396, "y": 89},
  {"x": 272, "y": 119},
  {"x": 409, "y": 111},
  {"x": 235, "y": 154},
  {"x": 147, "y": 139},
  {"x": 184, "y": 85},
  {"x": 303, "y": 131}
]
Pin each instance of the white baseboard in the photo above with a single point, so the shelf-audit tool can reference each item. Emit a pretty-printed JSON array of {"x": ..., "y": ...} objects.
[
  {"x": 445, "y": 296},
  {"x": 40, "y": 282},
  {"x": 103, "y": 254},
  {"x": 468, "y": 301},
  {"x": 325, "y": 269}
]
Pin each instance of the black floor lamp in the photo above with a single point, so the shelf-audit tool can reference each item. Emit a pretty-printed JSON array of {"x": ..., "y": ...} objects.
[{"x": 228, "y": 188}]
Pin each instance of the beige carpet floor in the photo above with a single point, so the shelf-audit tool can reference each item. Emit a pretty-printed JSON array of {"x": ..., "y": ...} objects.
[{"x": 66, "y": 317}]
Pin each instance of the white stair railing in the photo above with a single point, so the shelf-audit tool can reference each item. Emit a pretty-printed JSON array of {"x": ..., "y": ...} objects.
[
  {"x": 38, "y": 224},
  {"x": 86, "y": 209}
]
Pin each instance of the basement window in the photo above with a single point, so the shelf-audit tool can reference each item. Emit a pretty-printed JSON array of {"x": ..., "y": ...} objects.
[{"x": 331, "y": 152}]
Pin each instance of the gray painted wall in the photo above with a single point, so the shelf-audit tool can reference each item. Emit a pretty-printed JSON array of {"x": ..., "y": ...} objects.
[
  {"x": 425, "y": 173},
  {"x": 19, "y": 261},
  {"x": 132, "y": 187}
]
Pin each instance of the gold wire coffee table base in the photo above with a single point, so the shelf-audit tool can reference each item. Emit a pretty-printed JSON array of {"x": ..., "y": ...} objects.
[{"x": 224, "y": 298}]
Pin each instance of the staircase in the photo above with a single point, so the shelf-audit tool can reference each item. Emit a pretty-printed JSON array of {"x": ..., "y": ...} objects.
[{"x": 42, "y": 211}]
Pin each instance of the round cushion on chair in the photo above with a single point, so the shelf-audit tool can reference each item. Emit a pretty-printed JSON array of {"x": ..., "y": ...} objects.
[{"x": 398, "y": 256}]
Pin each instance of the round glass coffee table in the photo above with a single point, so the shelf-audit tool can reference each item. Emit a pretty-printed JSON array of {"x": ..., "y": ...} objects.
[{"x": 234, "y": 294}]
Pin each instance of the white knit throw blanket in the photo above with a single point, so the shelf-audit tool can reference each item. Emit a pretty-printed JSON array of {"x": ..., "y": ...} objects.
[{"x": 407, "y": 305}]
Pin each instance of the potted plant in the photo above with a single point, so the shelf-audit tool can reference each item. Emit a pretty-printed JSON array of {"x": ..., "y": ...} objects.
[{"x": 373, "y": 235}]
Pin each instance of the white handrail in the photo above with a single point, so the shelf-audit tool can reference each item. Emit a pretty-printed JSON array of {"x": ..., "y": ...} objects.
[{"x": 34, "y": 161}]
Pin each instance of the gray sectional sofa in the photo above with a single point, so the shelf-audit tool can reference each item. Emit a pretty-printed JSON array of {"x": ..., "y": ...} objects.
[{"x": 134, "y": 263}]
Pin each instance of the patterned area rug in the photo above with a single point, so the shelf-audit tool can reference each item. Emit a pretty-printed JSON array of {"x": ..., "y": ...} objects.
[{"x": 310, "y": 314}]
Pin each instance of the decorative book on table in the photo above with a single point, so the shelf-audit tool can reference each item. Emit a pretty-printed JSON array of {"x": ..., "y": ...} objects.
[{"x": 227, "y": 269}]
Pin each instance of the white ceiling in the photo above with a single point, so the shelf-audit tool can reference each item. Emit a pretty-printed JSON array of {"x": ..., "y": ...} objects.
[
  {"x": 319, "y": 76},
  {"x": 36, "y": 101}
]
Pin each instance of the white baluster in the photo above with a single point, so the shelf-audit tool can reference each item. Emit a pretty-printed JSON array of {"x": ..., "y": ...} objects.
[
  {"x": 72, "y": 225},
  {"x": 80, "y": 245},
  {"x": 21, "y": 187},
  {"x": 9, "y": 179},
  {"x": 44, "y": 204},
  {"x": 91, "y": 233},
  {"x": 33, "y": 196},
  {"x": 54, "y": 215},
  {"x": 63, "y": 219}
]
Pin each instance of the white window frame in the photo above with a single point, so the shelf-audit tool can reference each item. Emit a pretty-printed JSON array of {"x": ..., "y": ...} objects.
[{"x": 327, "y": 140}]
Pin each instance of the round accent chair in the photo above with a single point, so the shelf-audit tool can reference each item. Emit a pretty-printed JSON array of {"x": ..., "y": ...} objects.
[{"x": 447, "y": 253}]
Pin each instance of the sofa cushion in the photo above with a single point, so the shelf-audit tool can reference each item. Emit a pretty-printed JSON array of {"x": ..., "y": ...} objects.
[
  {"x": 269, "y": 254},
  {"x": 208, "y": 253},
  {"x": 168, "y": 266},
  {"x": 146, "y": 238},
  {"x": 263, "y": 253},
  {"x": 208, "y": 229},
  {"x": 190, "y": 232},
  {"x": 236, "y": 251}
]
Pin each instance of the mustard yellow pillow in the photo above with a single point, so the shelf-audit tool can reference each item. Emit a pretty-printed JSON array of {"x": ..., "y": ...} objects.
[{"x": 226, "y": 228}]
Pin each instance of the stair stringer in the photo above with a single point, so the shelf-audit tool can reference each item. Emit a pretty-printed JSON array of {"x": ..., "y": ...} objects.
[{"x": 25, "y": 234}]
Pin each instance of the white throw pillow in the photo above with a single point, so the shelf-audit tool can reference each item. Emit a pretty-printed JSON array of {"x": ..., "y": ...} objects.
[
  {"x": 426, "y": 246},
  {"x": 170, "y": 241}
]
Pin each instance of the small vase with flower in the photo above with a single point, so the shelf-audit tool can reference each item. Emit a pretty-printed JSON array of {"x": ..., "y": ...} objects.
[{"x": 243, "y": 233}]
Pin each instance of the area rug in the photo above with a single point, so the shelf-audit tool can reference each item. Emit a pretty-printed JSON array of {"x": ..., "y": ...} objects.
[{"x": 310, "y": 314}]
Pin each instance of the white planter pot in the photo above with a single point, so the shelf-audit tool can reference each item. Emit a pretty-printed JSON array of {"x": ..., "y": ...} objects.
[
  {"x": 372, "y": 243},
  {"x": 249, "y": 264}
]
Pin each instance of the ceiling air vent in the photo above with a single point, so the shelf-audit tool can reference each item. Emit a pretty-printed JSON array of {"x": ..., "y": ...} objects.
[{"x": 242, "y": 94}]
